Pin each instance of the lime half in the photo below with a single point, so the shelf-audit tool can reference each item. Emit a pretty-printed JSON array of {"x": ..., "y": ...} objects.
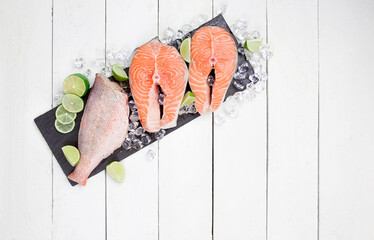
[
  {"x": 118, "y": 73},
  {"x": 72, "y": 103},
  {"x": 64, "y": 116},
  {"x": 253, "y": 44},
  {"x": 64, "y": 128},
  {"x": 185, "y": 49},
  {"x": 76, "y": 83},
  {"x": 188, "y": 99},
  {"x": 116, "y": 171},
  {"x": 72, "y": 154}
]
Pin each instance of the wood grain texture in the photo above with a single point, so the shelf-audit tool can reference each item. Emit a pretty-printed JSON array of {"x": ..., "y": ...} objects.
[
  {"x": 185, "y": 180},
  {"x": 346, "y": 118},
  {"x": 132, "y": 207},
  {"x": 78, "y": 31},
  {"x": 293, "y": 120},
  {"x": 25, "y": 84},
  {"x": 240, "y": 153}
]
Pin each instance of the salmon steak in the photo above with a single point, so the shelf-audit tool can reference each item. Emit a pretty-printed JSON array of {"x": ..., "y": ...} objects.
[
  {"x": 157, "y": 68},
  {"x": 103, "y": 127},
  {"x": 213, "y": 63}
]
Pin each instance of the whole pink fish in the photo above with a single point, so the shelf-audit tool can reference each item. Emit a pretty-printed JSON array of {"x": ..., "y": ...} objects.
[{"x": 103, "y": 127}]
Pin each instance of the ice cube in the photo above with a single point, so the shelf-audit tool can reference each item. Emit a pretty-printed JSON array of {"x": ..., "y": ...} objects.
[
  {"x": 139, "y": 131},
  {"x": 259, "y": 87},
  {"x": 160, "y": 134},
  {"x": 238, "y": 97},
  {"x": 111, "y": 54},
  {"x": 151, "y": 155},
  {"x": 100, "y": 62},
  {"x": 133, "y": 125},
  {"x": 145, "y": 138},
  {"x": 192, "y": 109},
  {"x": 127, "y": 144},
  {"x": 88, "y": 73},
  {"x": 186, "y": 28},
  {"x": 233, "y": 111},
  {"x": 254, "y": 35},
  {"x": 134, "y": 117},
  {"x": 131, "y": 135},
  {"x": 238, "y": 85},
  {"x": 241, "y": 24},
  {"x": 265, "y": 51},
  {"x": 179, "y": 34},
  {"x": 137, "y": 144},
  {"x": 122, "y": 55},
  {"x": 132, "y": 106},
  {"x": 240, "y": 76},
  {"x": 161, "y": 99},
  {"x": 243, "y": 67},
  {"x": 79, "y": 62},
  {"x": 58, "y": 98},
  {"x": 218, "y": 119},
  {"x": 248, "y": 95},
  {"x": 210, "y": 80},
  {"x": 107, "y": 71}
]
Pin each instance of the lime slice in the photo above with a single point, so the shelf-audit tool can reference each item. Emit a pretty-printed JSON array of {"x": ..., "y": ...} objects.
[
  {"x": 64, "y": 116},
  {"x": 72, "y": 103},
  {"x": 185, "y": 49},
  {"x": 253, "y": 44},
  {"x": 72, "y": 154},
  {"x": 64, "y": 128},
  {"x": 118, "y": 73},
  {"x": 188, "y": 99},
  {"x": 76, "y": 83},
  {"x": 116, "y": 171}
]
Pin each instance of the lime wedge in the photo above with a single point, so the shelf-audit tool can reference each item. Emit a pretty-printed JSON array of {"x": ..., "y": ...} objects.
[
  {"x": 188, "y": 99},
  {"x": 185, "y": 49},
  {"x": 72, "y": 154},
  {"x": 72, "y": 103},
  {"x": 253, "y": 44},
  {"x": 116, "y": 171},
  {"x": 76, "y": 83},
  {"x": 118, "y": 73},
  {"x": 64, "y": 128},
  {"x": 64, "y": 116}
]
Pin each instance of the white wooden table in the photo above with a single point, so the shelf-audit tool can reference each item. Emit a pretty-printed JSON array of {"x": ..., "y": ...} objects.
[{"x": 297, "y": 163}]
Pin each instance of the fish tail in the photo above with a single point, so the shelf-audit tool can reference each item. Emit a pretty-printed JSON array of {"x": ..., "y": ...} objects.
[{"x": 78, "y": 177}]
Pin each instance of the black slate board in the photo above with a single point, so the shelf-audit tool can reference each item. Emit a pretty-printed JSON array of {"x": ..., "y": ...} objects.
[{"x": 56, "y": 140}]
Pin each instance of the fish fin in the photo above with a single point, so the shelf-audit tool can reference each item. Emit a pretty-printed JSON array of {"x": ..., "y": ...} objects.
[{"x": 78, "y": 178}]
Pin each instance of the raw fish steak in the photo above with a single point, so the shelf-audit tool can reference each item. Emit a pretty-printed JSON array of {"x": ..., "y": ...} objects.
[
  {"x": 214, "y": 53},
  {"x": 157, "y": 67},
  {"x": 103, "y": 127}
]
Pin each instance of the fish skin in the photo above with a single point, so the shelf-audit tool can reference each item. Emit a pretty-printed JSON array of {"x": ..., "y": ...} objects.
[
  {"x": 103, "y": 127},
  {"x": 207, "y": 43},
  {"x": 155, "y": 64}
]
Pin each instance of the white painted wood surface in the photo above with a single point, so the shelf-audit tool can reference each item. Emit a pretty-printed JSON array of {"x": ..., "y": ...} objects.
[
  {"x": 293, "y": 121},
  {"x": 240, "y": 153},
  {"x": 132, "y": 207},
  {"x": 78, "y": 31},
  {"x": 302, "y": 163},
  {"x": 185, "y": 175},
  {"x": 346, "y": 120}
]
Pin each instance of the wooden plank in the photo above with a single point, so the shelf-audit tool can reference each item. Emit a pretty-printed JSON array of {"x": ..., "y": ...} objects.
[
  {"x": 240, "y": 152},
  {"x": 293, "y": 120},
  {"x": 132, "y": 207},
  {"x": 25, "y": 165},
  {"x": 346, "y": 120},
  {"x": 185, "y": 156},
  {"x": 78, "y": 31}
]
